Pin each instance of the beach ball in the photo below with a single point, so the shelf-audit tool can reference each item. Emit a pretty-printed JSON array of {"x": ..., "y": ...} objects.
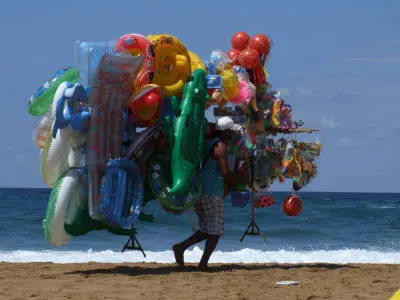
[
  {"x": 145, "y": 105},
  {"x": 233, "y": 55},
  {"x": 240, "y": 40},
  {"x": 264, "y": 201},
  {"x": 292, "y": 206},
  {"x": 249, "y": 59},
  {"x": 261, "y": 43}
]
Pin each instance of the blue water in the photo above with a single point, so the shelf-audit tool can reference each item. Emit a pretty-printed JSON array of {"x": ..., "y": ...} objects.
[{"x": 333, "y": 227}]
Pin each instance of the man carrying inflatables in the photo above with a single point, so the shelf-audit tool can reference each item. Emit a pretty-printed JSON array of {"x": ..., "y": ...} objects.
[{"x": 210, "y": 208}]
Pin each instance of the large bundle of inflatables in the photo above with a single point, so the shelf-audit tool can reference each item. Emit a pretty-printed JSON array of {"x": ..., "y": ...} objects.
[{"x": 130, "y": 123}]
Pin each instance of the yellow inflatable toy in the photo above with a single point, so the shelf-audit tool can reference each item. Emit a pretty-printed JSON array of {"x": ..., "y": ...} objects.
[
  {"x": 396, "y": 296},
  {"x": 196, "y": 62},
  {"x": 230, "y": 83},
  {"x": 172, "y": 66}
]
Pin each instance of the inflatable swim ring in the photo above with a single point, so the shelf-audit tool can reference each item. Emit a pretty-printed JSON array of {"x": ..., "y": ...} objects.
[
  {"x": 196, "y": 62},
  {"x": 42, "y": 131},
  {"x": 172, "y": 63},
  {"x": 55, "y": 154},
  {"x": 136, "y": 44},
  {"x": 54, "y": 158},
  {"x": 160, "y": 179},
  {"x": 40, "y": 102},
  {"x": 56, "y": 212}
]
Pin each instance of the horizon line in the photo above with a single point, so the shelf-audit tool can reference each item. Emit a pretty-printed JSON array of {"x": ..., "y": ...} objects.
[{"x": 279, "y": 191}]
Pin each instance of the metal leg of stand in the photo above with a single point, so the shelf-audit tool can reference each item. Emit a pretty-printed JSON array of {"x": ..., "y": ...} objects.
[
  {"x": 130, "y": 245},
  {"x": 250, "y": 229}
]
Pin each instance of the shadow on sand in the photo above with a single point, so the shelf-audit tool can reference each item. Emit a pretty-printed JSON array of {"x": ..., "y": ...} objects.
[{"x": 168, "y": 269}]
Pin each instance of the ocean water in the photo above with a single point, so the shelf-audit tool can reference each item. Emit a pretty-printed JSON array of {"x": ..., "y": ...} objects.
[{"x": 332, "y": 228}]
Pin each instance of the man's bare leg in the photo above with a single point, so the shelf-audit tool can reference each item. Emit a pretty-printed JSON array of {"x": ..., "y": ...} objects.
[
  {"x": 180, "y": 248},
  {"x": 211, "y": 244}
]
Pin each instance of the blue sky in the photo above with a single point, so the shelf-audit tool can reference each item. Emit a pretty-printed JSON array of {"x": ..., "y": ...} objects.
[{"x": 336, "y": 62}]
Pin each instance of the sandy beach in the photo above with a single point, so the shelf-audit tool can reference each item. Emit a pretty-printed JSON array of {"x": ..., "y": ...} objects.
[{"x": 226, "y": 281}]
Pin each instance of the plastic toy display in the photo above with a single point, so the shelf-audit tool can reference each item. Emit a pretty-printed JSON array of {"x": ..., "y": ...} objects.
[{"x": 130, "y": 124}]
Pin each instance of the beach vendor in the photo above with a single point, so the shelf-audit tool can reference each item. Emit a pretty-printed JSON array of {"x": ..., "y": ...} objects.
[{"x": 210, "y": 208}]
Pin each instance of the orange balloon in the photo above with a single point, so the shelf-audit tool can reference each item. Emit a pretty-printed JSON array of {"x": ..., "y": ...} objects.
[{"x": 292, "y": 206}]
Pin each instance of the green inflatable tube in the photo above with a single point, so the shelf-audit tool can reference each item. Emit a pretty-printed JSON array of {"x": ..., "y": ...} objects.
[
  {"x": 60, "y": 198},
  {"x": 189, "y": 128},
  {"x": 77, "y": 220},
  {"x": 41, "y": 101},
  {"x": 159, "y": 181}
]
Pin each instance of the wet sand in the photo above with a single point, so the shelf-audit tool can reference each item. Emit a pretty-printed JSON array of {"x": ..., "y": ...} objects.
[{"x": 223, "y": 281}]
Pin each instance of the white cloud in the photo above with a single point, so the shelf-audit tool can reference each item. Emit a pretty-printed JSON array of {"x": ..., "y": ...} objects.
[
  {"x": 305, "y": 92},
  {"x": 284, "y": 92},
  {"x": 21, "y": 159},
  {"x": 329, "y": 122}
]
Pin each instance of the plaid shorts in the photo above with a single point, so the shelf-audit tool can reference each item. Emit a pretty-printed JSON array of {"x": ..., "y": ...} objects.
[{"x": 210, "y": 212}]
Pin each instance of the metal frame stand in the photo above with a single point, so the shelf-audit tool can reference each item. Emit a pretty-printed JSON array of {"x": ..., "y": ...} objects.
[
  {"x": 133, "y": 244},
  {"x": 253, "y": 225}
]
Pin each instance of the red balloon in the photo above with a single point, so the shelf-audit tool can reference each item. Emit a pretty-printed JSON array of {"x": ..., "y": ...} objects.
[
  {"x": 292, "y": 206},
  {"x": 249, "y": 59},
  {"x": 240, "y": 40},
  {"x": 261, "y": 43},
  {"x": 146, "y": 107},
  {"x": 233, "y": 55}
]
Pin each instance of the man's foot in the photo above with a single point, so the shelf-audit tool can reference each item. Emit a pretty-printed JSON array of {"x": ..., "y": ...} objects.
[
  {"x": 203, "y": 267},
  {"x": 178, "y": 253}
]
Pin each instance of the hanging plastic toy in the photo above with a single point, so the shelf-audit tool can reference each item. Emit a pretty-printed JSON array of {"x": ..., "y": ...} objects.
[
  {"x": 189, "y": 130},
  {"x": 121, "y": 195}
]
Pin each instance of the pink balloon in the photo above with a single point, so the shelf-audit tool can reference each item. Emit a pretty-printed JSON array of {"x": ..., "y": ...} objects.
[{"x": 244, "y": 93}]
